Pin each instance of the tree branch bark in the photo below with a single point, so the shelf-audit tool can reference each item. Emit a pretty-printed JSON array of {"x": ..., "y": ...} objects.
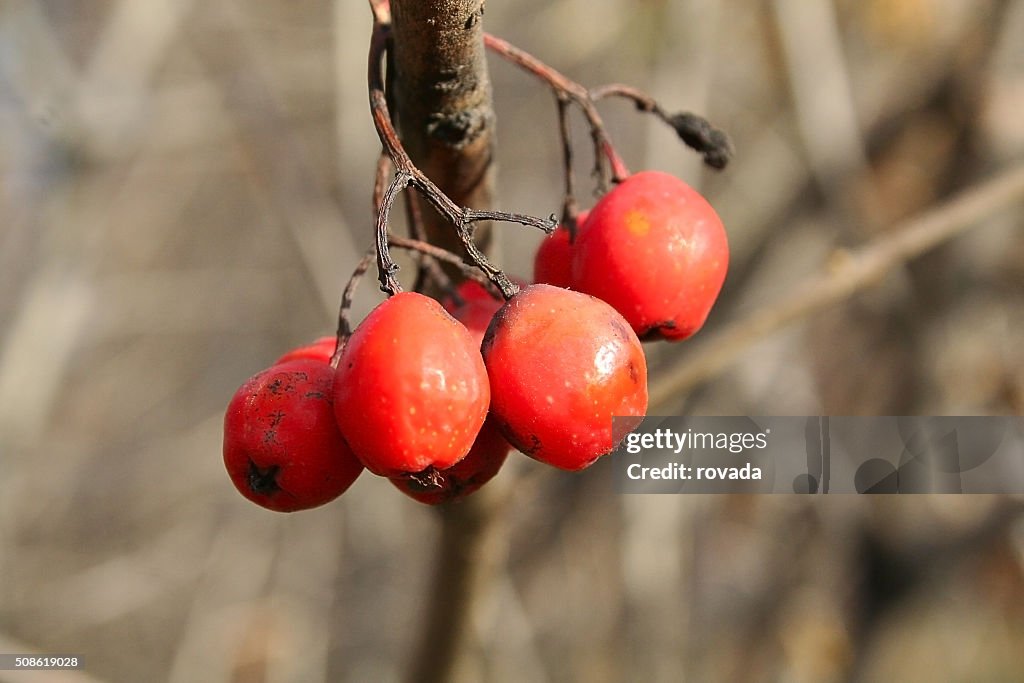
[
  {"x": 443, "y": 104},
  {"x": 445, "y": 115}
]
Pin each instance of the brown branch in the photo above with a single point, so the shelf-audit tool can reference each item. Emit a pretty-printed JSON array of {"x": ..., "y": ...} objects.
[
  {"x": 467, "y": 553},
  {"x": 849, "y": 273},
  {"x": 443, "y": 102}
]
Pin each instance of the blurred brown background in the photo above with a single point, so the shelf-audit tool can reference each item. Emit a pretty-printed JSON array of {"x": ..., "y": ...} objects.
[{"x": 185, "y": 189}]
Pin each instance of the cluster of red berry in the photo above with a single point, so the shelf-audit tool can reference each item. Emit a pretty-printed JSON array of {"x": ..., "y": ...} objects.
[{"x": 435, "y": 395}]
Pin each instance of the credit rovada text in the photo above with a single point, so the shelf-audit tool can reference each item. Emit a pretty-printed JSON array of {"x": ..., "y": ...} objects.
[{"x": 669, "y": 441}]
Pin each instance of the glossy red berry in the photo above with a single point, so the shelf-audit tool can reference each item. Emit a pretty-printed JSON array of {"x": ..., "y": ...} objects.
[
  {"x": 490, "y": 448},
  {"x": 656, "y": 251},
  {"x": 484, "y": 460},
  {"x": 552, "y": 264},
  {"x": 322, "y": 349},
  {"x": 562, "y": 364},
  {"x": 282, "y": 447},
  {"x": 411, "y": 390}
]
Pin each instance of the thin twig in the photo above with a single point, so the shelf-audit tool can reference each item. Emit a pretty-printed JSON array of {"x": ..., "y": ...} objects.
[
  {"x": 414, "y": 217},
  {"x": 435, "y": 254},
  {"x": 849, "y": 273},
  {"x": 697, "y": 132},
  {"x": 426, "y": 267},
  {"x": 386, "y": 267},
  {"x": 569, "y": 207},
  {"x": 344, "y": 326},
  {"x": 566, "y": 87},
  {"x": 432, "y": 253}
]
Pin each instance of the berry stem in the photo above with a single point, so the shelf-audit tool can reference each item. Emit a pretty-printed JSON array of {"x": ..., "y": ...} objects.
[
  {"x": 386, "y": 267},
  {"x": 432, "y": 253},
  {"x": 570, "y": 209},
  {"x": 437, "y": 254},
  {"x": 604, "y": 150},
  {"x": 697, "y": 132},
  {"x": 344, "y": 325},
  {"x": 425, "y": 267}
]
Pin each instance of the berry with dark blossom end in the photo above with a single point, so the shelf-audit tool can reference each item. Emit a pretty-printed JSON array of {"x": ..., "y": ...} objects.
[
  {"x": 485, "y": 458},
  {"x": 490, "y": 448},
  {"x": 655, "y": 250},
  {"x": 282, "y": 446},
  {"x": 321, "y": 349},
  {"x": 552, "y": 264},
  {"x": 411, "y": 391},
  {"x": 562, "y": 364}
]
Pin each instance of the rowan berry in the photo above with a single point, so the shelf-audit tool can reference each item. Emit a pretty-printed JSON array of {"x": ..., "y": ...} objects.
[
  {"x": 485, "y": 458},
  {"x": 411, "y": 391},
  {"x": 655, "y": 250},
  {"x": 282, "y": 446},
  {"x": 561, "y": 365},
  {"x": 321, "y": 349},
  {"x": 552, "y": 264}
]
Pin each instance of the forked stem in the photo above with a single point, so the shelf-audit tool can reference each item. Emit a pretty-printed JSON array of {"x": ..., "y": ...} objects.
[
  {"x": 407, "y": 174},
  {"x": 431, "y": 253}
]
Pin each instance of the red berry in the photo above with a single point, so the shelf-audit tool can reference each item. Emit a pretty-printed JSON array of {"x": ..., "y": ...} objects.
[
  {"x": 484, "y": 460},
  {"x": 489, "y": 450},
  {"x": 655, "y": 250},
  {"x": 561, "y": 365},
  {"x": 476, "y": 314},
  {"x": 552, "y": 264},
  {"x": 322, "y": 349},
  {"x": 411, "y": 390},
  {"x": 467, "y": 290},
  {"x": 475, "y": 310},
  {"x": 282, "y": 447},
  {"x": 471, "y": 290}
]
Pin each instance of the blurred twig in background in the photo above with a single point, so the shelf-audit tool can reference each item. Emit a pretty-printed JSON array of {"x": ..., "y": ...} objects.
[{"x": 847, "y": 273}]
